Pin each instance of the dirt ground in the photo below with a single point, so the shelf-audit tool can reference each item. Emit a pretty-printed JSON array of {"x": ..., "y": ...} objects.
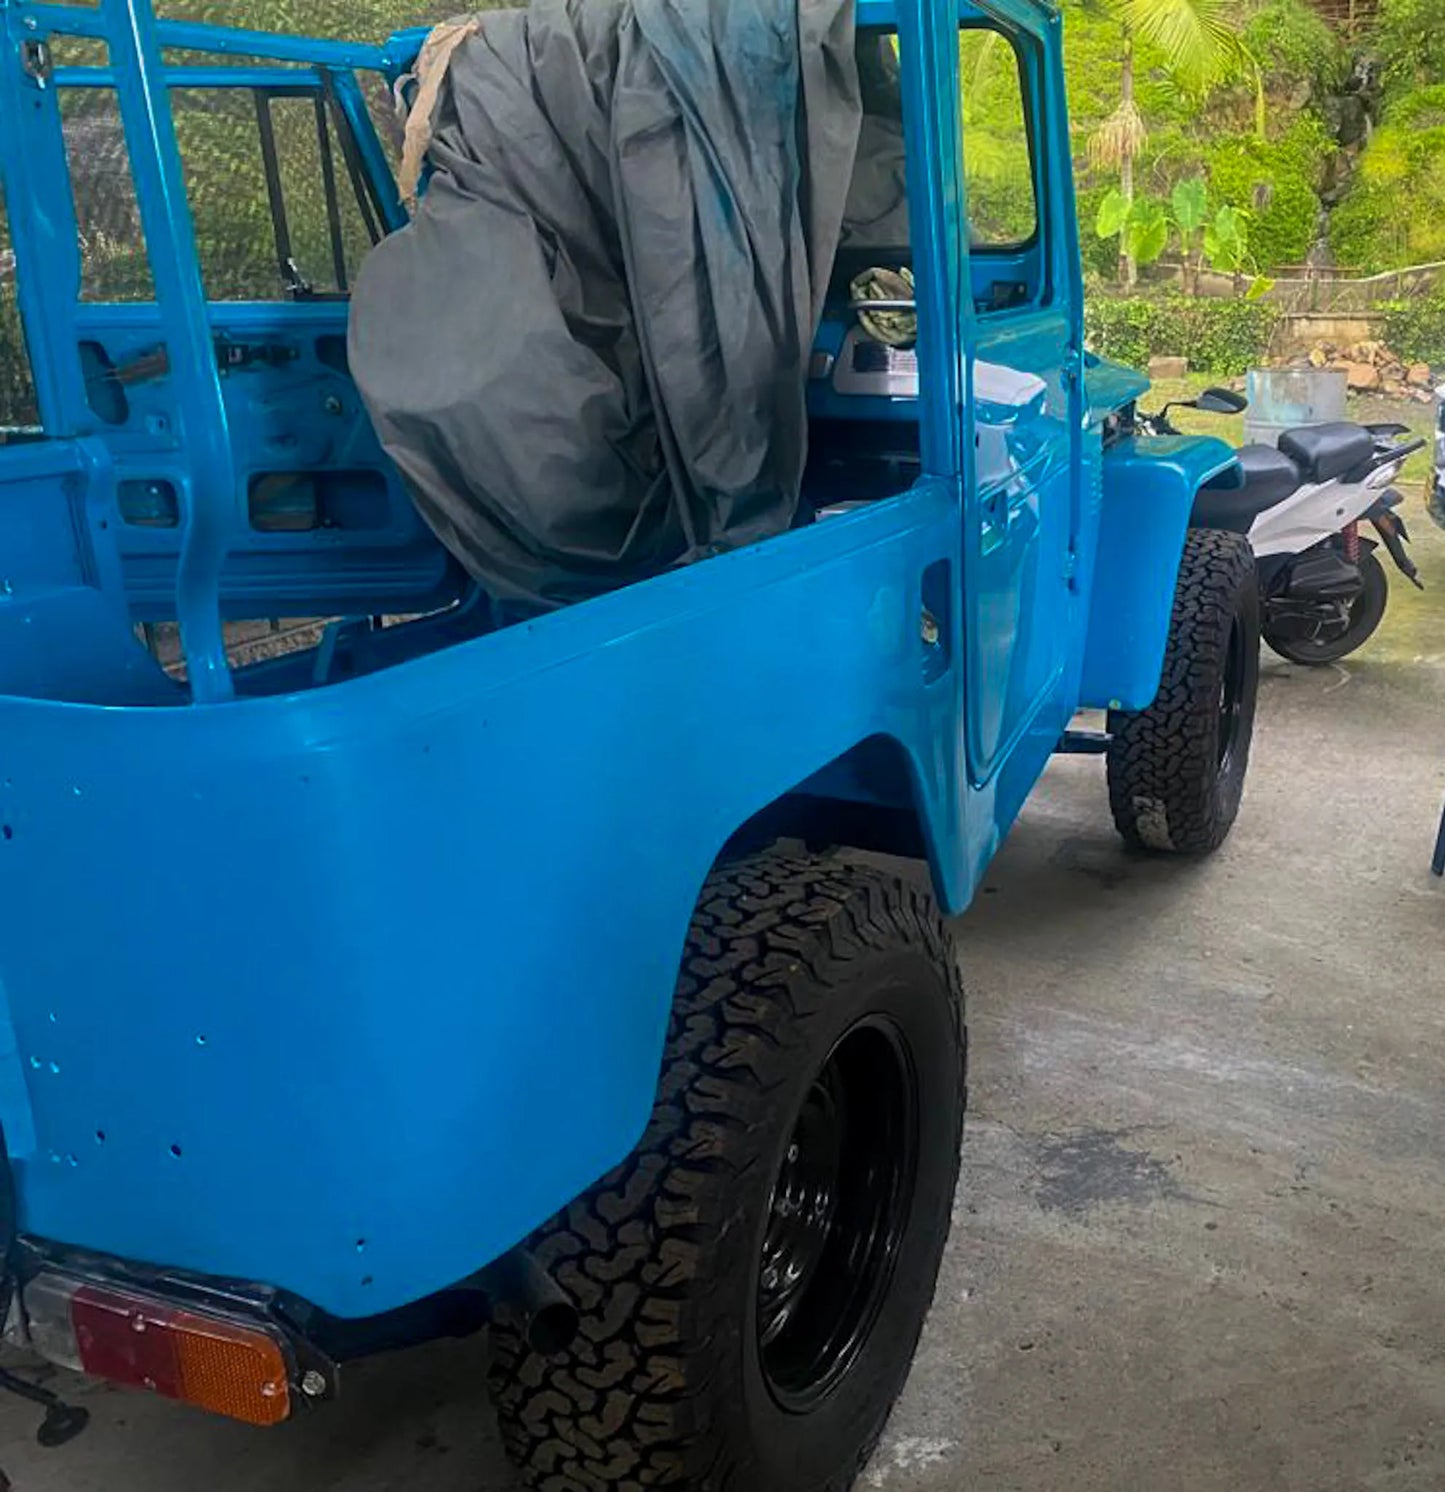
[{"x": 1200, "y": 1241}]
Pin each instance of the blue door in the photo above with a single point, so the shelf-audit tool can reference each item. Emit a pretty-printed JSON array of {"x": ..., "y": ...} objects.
[{"x": 1019, "y": 436}]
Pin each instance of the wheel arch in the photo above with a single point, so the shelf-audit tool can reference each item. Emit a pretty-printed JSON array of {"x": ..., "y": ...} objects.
[
  {"x": 1149, "y": 488},
  {"x": 870, "y": 797}
]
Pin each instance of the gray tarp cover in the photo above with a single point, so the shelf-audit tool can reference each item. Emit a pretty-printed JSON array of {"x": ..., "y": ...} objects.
[{"x": 588, "y": 353}]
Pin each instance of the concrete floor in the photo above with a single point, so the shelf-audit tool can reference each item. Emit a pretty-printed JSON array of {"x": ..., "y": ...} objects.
[{"x": 1200, "y": 1242}]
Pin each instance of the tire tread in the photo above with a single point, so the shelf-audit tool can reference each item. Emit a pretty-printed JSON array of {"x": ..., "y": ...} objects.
[
  {"x": 631, "y": 1406},
  {"x": 1165, "y": 789}
]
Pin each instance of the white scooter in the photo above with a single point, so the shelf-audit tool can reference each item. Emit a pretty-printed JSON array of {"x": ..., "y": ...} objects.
[{"x": 1301, "y": 506}]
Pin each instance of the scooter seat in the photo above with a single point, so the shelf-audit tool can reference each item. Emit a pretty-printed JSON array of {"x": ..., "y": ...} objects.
[
  {"x": 1269, "y": 478},
  {"x": 1323, "y": 452}
]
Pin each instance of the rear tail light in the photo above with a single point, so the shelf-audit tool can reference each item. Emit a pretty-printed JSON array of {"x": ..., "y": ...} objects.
[{"x": 228, "y": 1367}]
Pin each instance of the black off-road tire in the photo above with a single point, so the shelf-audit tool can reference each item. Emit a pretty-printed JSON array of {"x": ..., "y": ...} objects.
[
  {"x": 1366, "y": 613},
  {"x": 1177, "y": 770},
  {"x": 789, "y": 962}
]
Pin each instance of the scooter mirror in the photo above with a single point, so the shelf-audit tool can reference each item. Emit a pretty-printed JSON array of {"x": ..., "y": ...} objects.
[{"x": 1221, "y": 401}]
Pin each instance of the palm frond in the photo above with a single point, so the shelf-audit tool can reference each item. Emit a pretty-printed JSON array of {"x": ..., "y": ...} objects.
[{"x": 1199, "y": 38}]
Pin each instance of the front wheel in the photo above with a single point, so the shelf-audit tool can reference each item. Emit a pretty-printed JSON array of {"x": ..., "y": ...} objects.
[
  {"x": 753, "y": 1280},
  {"x": 1338, "y": 639},
  {"x": 1177, "y": 769}
]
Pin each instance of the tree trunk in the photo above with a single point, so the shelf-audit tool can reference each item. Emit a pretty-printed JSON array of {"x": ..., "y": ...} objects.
[{"x": 1128, "y": 271}]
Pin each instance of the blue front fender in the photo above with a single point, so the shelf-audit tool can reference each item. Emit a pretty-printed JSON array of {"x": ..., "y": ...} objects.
[{"x": 1149, "y": 487}]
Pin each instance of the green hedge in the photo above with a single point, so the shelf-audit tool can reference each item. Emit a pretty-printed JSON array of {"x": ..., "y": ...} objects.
[
  {"x": 1415, "y": 329},
  {"x": 1220, "y": 337}
]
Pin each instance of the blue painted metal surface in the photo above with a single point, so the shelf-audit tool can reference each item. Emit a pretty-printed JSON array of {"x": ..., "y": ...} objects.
[
  {"x": 212, "y": 504},
  {"x": 445, "y": 1016},
  {"x": 1149, "y": 486},
  {"x": 1110, "y": 386}
]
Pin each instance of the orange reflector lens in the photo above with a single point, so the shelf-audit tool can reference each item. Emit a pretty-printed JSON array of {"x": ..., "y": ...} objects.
[
  {"x": 217, "y": 1364},
  {"x": 231, "y": 1370}
]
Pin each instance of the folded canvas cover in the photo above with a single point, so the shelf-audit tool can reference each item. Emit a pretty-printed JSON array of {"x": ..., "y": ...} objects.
[{"x": 588, "y": 353}]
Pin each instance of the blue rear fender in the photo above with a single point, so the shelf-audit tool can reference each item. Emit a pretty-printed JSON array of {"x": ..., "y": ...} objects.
[
  {"x": 1149, "y": 486},
  {"x": 360, "y": 985}
]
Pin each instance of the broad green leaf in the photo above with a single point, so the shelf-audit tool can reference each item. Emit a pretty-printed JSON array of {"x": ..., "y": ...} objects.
[
  {"x": 1113, "y": 214},
  {"x": 1148, "y": 232},
  {"x": 1190, "y": 201},
  {"x": 1146, "y": 212},
  {"x": 1231, "y": 226},
  {"x": 1261, "y": 285}
]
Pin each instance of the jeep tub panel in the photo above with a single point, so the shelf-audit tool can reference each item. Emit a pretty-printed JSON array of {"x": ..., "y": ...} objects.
[{"x": 364, "y": 983}]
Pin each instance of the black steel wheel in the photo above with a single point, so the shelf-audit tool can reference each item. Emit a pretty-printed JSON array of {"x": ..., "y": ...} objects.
[
  {"x": 838, "y": 1212},
  {"x": 752, "y": 1282},
  {"x": 1339, "y": 638},
  {"x": 1177, "y": 770}
]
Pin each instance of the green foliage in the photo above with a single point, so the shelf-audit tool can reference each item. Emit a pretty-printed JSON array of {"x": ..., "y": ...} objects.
[
  {"x": 1093, "y": 47},
  {"x": 1199, "y": 39},
  {"x": 1226, "y": 241},
  {"x": 1100, "y": 255},
  {"x": 354, "y": 20},
  {"x": 1212, "y": 132},
  {"x": 1190, "y": 203},
  {"x": 1142, "y": 226},
  {"x": 1421, "y": 110},
  {"x": 1113, "y": 213},
  {"x": 1409, "y": 39},
  {"x": 1394, "y": 213},
  {"x": 17, "y": 391},
  {"x": 1415, "y": 329},
  {"x": 1220, "y": 337},
  {"x": 997, "y": 164},
  {"x": 1146, "y": 225},
  {"x": 1147, "y": 234},
  {"x": 1276, "y": 182},
  {"x": 1296, "y": 48}
]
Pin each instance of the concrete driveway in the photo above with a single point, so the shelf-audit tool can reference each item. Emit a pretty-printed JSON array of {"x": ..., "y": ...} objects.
[{"x": 1200, "y": 1242}]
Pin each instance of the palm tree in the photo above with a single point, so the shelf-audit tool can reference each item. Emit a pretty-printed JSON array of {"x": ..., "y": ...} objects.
[{"x": 1200, "y": 42}]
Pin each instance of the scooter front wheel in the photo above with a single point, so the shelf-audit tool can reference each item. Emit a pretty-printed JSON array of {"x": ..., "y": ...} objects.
[{"x": 1337, "y": 641}]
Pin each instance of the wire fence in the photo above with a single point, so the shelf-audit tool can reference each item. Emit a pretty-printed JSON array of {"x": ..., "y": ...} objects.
[{"x": 221, "y": 153}]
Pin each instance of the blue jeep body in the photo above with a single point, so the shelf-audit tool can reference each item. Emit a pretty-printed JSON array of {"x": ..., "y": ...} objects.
[{"x": 344, "y": 971}]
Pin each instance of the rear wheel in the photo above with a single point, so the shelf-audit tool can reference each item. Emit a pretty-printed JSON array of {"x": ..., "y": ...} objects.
[
  {"x": 1338, "y": 639},
  {"x": 1177, "y": 769},
  {"x": 754, "y": 1279}
]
